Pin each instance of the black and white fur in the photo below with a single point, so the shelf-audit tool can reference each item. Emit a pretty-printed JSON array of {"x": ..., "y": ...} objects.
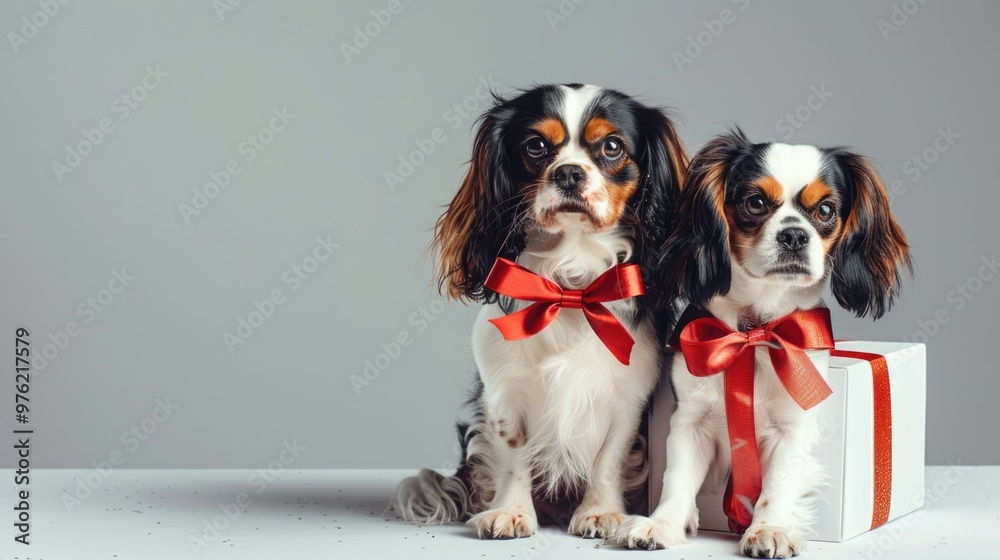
[
  {"x": 764, "y": 229},
  {"x": 567, "y": 180}
]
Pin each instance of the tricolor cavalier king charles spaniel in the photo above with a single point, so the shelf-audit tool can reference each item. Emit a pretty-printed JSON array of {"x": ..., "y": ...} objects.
[
  {"x": 568, "y": 181},
  {"x": 762, "y": 230}
]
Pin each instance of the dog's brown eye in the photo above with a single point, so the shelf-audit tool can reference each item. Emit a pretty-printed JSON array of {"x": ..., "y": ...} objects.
[
  {"x": 612, "y": 148},
  {"x": 755, "y": 205},
  {"x": 825, "y": 211},
  {"x": 535, "y": 147}
]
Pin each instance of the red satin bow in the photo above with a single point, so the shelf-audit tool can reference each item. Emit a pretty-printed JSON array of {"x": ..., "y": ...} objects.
[
  {"x": 619, "y": 282},
  {"x": 709, "y": 346}
]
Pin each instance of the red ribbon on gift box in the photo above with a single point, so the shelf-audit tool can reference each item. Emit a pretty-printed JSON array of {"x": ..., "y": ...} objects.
[
  {"x": 709, "y": 347},
  {"x": 882, "y": 492},
  {"x": 619, "y": 282}
]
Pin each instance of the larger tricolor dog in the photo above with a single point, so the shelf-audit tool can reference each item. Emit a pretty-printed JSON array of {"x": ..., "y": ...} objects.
[{"x": 572, "y": 185}]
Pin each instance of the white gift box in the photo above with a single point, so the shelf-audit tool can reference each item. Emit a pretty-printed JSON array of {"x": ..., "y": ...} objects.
[{"x": 847, "y": 448}]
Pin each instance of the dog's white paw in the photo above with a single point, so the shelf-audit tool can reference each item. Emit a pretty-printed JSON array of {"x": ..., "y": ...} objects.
[
  {"x": 593, "y": 523},
  {"x": 508, "y": 523},
  {"x": 649, "y": 534},
  {"x": 765, "y": 541}
]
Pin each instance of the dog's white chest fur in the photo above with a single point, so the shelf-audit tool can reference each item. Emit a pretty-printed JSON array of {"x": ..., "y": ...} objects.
[
  {"x": 563, "y": 384},
  {"x": 562, "y": 387}
]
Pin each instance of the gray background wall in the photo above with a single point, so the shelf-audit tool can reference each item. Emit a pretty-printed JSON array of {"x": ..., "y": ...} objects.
[{"x": 323, "y": 174}]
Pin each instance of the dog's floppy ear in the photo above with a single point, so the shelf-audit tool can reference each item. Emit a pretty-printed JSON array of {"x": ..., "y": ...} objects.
[
  {"x": 872, "y": 248},
  {"x": 696, "y": 257},
  {"x": 477, "y": 225},
  {"x": 663, "y": 164}
]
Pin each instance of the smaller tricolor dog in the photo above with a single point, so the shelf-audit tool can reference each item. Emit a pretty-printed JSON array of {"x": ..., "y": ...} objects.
[
  {"x": 763, "y": 229},
  {"x": 569, "y": 197}
]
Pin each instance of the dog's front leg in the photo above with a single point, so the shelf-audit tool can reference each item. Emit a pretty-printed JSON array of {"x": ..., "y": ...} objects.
[
  {"x": 691, "y": 448},
  {"x": 791, "y": 476},
  {"x": 603, "y": 506},
  {"x": 695, "y": 432},
  {"x": 511, "y": 513}
]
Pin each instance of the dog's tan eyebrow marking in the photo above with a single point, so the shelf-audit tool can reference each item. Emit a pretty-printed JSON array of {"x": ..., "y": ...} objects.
[
  {"x": 771, "y": 188},
  {"x": 551, "y": 129},
  {"x": 814, "y": 193},
  {"x": 598, "y": 127}
]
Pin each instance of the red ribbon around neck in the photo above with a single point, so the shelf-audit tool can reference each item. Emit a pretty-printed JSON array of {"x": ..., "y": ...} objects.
[
  {"x": 709, "y": 347},
  {"x": 619, "y": 282}
]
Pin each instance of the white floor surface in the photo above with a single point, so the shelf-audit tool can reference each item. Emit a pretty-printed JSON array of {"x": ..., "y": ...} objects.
[{"x": 335, "y": 514}]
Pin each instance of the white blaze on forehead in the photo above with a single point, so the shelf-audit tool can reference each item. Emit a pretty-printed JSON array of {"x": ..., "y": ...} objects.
[
  {"x": 575, "y": 104},
  {"x": 793, "y": 167}
]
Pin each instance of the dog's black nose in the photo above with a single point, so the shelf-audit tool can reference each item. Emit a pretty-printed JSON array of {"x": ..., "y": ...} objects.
[
  {"x": 568, "y": 177},
  {"x": 793, "y": 239}
]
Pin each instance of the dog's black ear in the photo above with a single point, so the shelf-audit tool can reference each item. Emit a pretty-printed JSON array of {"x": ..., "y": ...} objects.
[
  {"x": 872, "y": 249},
  {"x": 696, "y": 257},
  {"x": 663, "y": 164},
  {"x": 479, "y": 224}
]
